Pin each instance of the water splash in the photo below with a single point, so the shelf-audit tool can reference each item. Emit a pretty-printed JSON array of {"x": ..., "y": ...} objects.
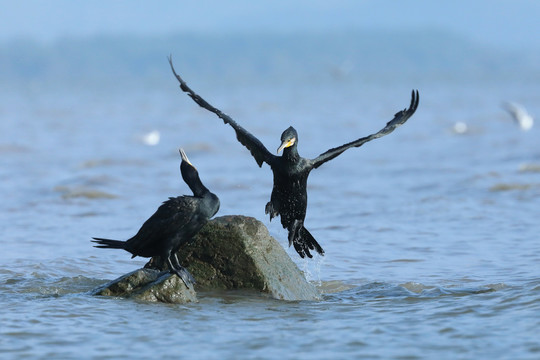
[{"x": 312, "y": 269}]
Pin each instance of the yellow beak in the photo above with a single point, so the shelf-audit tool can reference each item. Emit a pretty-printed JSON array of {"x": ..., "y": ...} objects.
[
  {"x": 184, "y": 157},
  {"x": 286, "y": 144}
]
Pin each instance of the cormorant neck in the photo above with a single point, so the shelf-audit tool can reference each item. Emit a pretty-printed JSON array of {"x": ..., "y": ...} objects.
[
  {"x": 291, "y": 153},
  {"x": 195, "y": 184},
  {"x": 192, "y": 179}
]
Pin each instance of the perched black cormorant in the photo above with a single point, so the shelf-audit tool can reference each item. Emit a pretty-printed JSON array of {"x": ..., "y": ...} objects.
[
  {"x": 174, "y": 223},
  {"x": 291, "y": 171}
]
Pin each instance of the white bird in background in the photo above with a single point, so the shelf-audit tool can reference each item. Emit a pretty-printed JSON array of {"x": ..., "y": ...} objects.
[
  {"x": 151, "y": 138},
  {"x": 460, "y": 127},
  {"x": 520, "y": 115}
]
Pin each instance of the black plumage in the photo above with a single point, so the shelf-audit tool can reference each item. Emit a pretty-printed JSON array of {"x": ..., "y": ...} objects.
[
  {"x": 291, "y": 171},
  {"x": 174, "y": 223}
]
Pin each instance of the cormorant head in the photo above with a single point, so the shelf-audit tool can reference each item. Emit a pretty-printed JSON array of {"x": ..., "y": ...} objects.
[
  {"x": 288, "y": 138},
  {"x": 191, "y": 175}
]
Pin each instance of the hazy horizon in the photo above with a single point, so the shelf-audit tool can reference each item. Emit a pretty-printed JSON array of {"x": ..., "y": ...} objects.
[
  {"x": 511, "y": 24},
  {"x": 361, "y": 55}
]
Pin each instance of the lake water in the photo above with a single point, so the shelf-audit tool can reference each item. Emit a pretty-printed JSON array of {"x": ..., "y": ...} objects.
[{"x": 431, "y": 237}]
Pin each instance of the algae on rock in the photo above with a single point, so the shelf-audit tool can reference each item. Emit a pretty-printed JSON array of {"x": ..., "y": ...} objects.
[{"x": 149, "y": 285}]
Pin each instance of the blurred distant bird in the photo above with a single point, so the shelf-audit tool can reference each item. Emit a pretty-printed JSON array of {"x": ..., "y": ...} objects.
[
  {"x": 291, "y": 171},
  {"x": 174, "y": 223},
  {"x": 151, "y": 138},
  {"x": 520, "y": 115},
  {"x": 460, "y": 127}
]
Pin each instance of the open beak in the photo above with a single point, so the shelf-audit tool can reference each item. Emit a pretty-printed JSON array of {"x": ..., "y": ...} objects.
[
  {"x": 184, "y": 157},
  {"x": 286, "y": 144}
]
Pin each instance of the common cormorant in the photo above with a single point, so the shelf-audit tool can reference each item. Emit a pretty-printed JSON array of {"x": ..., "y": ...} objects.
[
  {"x": 174, "y": 223},
  {"x": 291, "y": 171}
]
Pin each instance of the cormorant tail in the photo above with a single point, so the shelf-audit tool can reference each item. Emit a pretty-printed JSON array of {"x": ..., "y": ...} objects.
[
  {"x": 303, "y": 241},
  {"x": 109, "y": 244},
  {"x": 310, "y": 241}
]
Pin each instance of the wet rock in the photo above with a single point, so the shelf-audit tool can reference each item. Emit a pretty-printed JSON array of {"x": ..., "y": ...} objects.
[
  {"x": 149, "y": 285},
  {"x": 229, "y": 252},
  {"x": 237, "y": 252}
]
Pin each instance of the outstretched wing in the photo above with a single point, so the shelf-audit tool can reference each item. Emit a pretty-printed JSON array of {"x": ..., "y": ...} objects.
[
  {"x": 254, "y": 145},
  {"x": 399, "y": 119}
]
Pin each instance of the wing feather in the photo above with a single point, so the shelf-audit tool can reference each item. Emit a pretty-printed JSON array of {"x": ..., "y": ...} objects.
[
  {"x": 399, "y": 119},
  {"x": 172, "y": 215},
  {"x": 254, "y": 145}
]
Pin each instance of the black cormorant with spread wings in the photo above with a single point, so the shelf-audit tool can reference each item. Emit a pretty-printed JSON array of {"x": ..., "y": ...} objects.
[
  {"x": 174, "y": 223},
  {"x": 291, "y": 171}
]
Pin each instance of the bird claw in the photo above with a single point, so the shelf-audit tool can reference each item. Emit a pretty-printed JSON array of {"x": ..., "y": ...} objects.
[
  {"x": 185, "y": 276},
  {"x": 269, "y": 209}
]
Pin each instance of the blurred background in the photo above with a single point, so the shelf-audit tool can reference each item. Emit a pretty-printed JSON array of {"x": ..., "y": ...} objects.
[
  {"x": 440, "y": 211},
  {"x": 86, "y": 86},
  {"x": 365, "y": 39}
]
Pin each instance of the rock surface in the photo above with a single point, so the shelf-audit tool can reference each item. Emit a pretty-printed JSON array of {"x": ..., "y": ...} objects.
[
  {"x": 230, "y": 252},
  {"x": 149, "y": 285}
]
